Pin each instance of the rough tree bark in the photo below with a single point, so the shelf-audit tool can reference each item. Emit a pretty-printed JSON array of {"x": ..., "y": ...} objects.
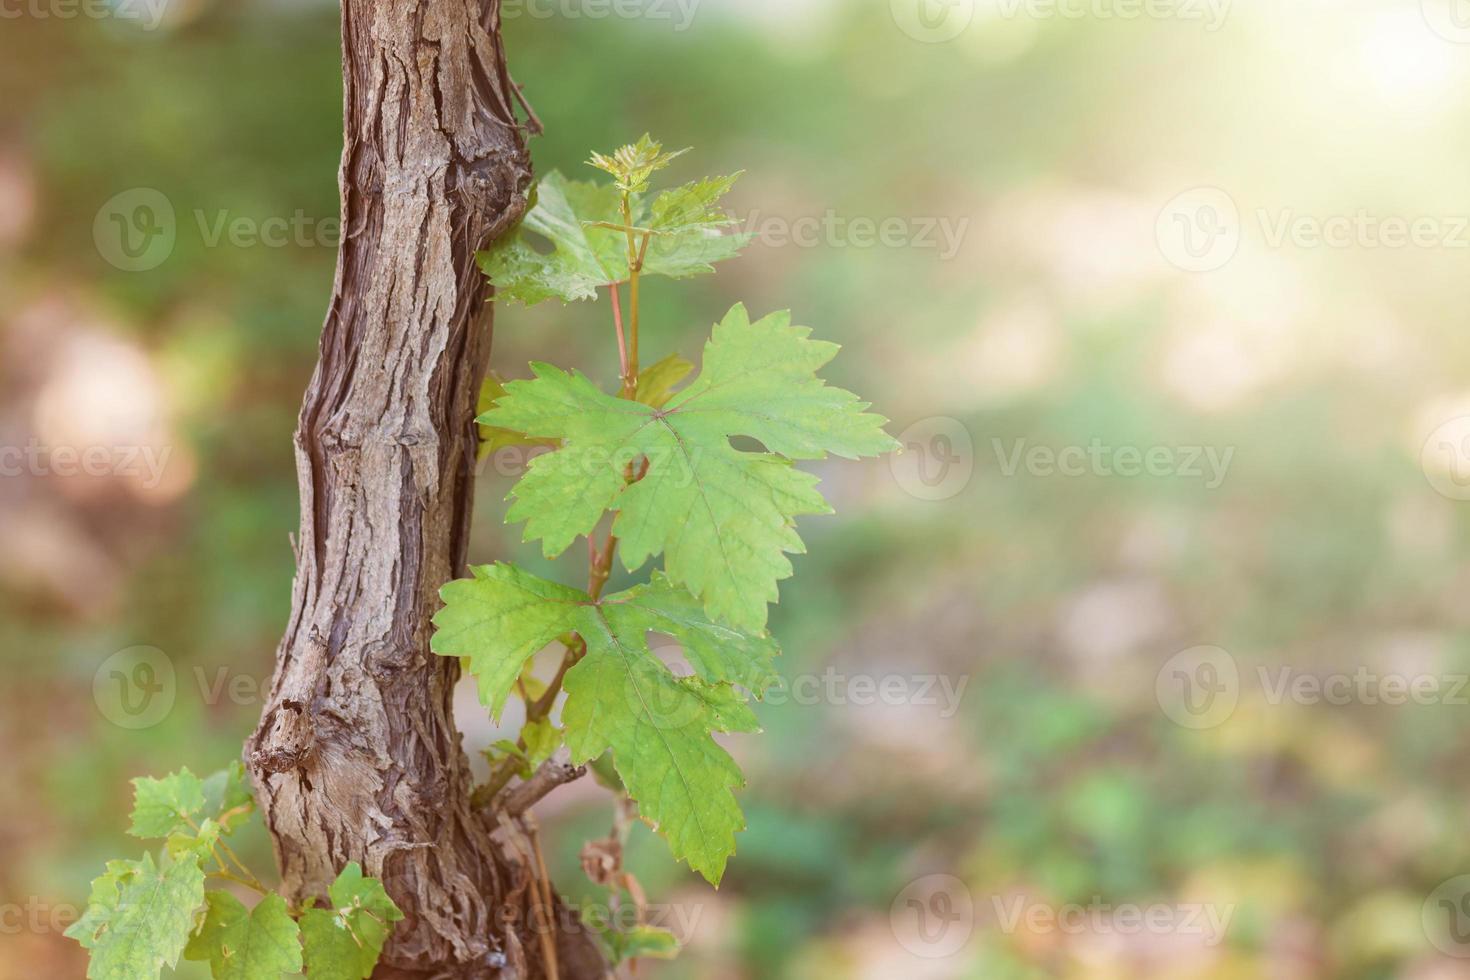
[{"x": 357, "y": 757}]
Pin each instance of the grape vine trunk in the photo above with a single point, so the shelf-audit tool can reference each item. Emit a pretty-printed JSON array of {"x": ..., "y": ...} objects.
[{"x": 357, "y": 757}]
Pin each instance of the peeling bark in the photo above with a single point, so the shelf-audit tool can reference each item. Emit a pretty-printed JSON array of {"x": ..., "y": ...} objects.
[{"x": 357, "y": 757}]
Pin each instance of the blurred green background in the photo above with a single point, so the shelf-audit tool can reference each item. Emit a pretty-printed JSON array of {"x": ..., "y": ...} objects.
[{"x": 1099, "y": 243}]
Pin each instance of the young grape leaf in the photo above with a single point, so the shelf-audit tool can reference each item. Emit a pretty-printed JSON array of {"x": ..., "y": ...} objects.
[
  {"x": 621, "y": 696},
  {"x": 178, "y": 805},
  {"x": 139, "y": 917},
  {"x": 583, "y": 223},
  {"x": 171, "y": 805},
  {"x": 631, "y": 166},
  {"x": 723, "y": 518},
  {"x": 198, "y": 845},
  {"x": 657, "y": 382},
  {"x": 345, "y": 941},
  {"x": 542, "y": 740},
  {"x": 240, "y": 944}
]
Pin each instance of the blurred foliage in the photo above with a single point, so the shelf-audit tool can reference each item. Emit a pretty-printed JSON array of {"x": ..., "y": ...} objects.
[{"x": 1055, "y": 321}]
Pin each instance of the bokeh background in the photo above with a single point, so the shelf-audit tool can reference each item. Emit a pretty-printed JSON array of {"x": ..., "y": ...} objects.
[{"x": 1137, "y": 237}]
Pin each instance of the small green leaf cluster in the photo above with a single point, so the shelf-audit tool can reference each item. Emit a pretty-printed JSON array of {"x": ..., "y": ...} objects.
[
  {"x": 656, "y": 465},
  {"x": 144, "y": 914}
]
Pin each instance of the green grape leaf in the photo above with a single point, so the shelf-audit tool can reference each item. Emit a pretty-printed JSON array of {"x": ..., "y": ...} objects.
[
  {"x": 641, "y": 942},
  {"x": 583, "y": 223},
  {"x": 723, "y": 518},
  {"x": 139, "y": 917},
  {"x": 542, "y": 740},
  {"x": 171, "y": 805},
  {"x": 102, "y": 903},
  {"x": 345, "y": 941},
  {"x": 657, "y": 382},
  {"x": 621, "y": 696},
  {"x": 228, "y": 797},
  {"x": 492, "y": 440},
  {"x": 532, "y": 688},
  {"x": 199, "y": 844},
  {"x": 189, "y": 812},
  {"x": 583, "y": 258},
  {"x": 500, "y": 627},
  {"x": 691, "y": 231},
  {"x": 240, "y": 944}
]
